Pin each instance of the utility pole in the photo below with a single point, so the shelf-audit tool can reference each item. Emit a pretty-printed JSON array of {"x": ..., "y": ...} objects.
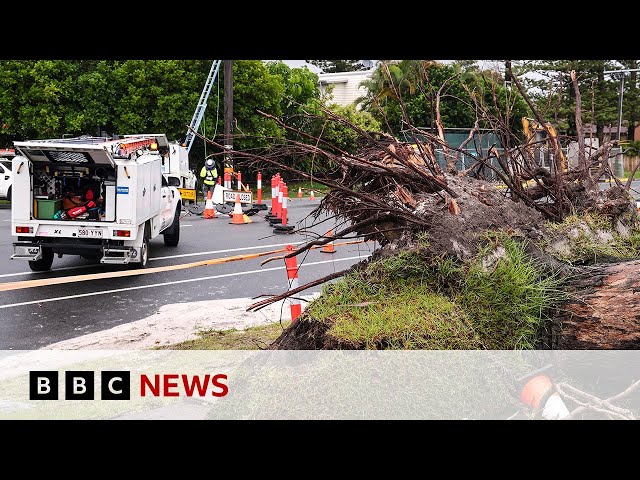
[
  {"x": 620, "y": 97},
  {"x": 228, "y": 113},
  {"x": 621, "y": 72},
  {"x": 507, "y": 74}
]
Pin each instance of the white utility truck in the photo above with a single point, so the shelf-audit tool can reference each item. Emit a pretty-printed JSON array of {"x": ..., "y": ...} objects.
[
  {"x": 176, "y": 165},
  {"x": 97, "y": 197}
]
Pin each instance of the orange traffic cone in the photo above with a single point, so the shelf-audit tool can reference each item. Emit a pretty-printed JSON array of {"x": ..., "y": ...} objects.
[
  {"x": 329, "y": 247},
  {"x": 209, "y": 210},
  {"x": 237, "y": 217},
  {"x": 300, "y": 192},
  {"x": 312, "y": 196}
]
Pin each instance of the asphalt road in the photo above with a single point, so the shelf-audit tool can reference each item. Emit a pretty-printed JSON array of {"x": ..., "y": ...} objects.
[
  {"x": 35, "y": 317},
  {"x": 635, "y": 188}
]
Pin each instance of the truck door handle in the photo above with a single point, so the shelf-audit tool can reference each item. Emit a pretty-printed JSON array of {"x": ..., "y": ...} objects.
[
  {"x": 6, "y": 177},
  {"x": 164, "y": 196}
]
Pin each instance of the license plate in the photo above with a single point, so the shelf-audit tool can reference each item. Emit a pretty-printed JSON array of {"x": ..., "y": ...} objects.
[{"x": 89, "y": 233}]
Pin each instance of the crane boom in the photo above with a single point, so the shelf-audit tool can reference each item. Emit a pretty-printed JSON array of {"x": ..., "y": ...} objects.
[{"x": 202, "y": 104}]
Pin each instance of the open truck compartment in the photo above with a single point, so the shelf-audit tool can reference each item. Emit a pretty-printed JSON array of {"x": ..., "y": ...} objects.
[
  {"x": 72, "y": 179},
  {"x": 71, "y": 193}
]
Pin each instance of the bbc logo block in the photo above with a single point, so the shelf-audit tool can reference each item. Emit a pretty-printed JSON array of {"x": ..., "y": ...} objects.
[
  {"x": 43, "y": 385},
  {"x": 80, "y": 385}
]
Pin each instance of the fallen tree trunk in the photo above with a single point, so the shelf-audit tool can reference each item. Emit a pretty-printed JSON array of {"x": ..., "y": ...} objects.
[{"x": 604, "y": 312}]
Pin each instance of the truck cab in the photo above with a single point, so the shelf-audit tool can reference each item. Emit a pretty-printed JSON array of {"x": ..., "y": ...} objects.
[{"x": 102, "y": 198}]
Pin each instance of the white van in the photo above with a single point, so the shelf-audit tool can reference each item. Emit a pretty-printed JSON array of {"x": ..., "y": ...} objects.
[{"x": 6, "y": 177}]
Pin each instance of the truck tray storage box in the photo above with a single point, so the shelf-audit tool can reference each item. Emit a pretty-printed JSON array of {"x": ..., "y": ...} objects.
[{"x": 46, "y": 209}]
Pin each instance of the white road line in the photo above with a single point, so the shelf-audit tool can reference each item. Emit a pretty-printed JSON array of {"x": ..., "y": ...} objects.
[
  {"x": 182, "y": 226},
  {"x": 225, "y": 251},
  {"x": 50, "y": 271},
  {"x": 157, "y": 258},
  {"x": 140, "y": 287}
]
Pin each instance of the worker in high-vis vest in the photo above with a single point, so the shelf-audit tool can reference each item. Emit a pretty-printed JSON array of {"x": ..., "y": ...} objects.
[{"x": 209, "y": 175}]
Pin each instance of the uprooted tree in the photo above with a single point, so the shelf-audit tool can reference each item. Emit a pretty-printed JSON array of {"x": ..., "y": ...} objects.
[{"x": 391, "y": 192}]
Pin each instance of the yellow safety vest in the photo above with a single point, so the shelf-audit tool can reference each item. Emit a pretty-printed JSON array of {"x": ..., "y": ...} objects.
[{"x": 209, "y": 175}]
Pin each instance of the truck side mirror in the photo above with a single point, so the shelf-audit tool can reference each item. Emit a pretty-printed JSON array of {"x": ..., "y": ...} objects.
[{"x": 174, "y": 181}]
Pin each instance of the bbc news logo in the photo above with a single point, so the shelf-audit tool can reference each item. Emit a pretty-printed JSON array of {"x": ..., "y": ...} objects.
[
  {"x": 116, "y": 385},
  {"x": 80, "y": 385}
]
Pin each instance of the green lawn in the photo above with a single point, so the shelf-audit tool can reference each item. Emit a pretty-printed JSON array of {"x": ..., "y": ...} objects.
[
  {"x": 252, "y": 338},
  {"x": 627, "y": 173}
]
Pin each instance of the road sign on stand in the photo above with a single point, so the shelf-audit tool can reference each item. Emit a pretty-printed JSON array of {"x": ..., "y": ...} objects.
[
  {"x": 188, "y": 193},
  {"x": 245, "y": 197}
]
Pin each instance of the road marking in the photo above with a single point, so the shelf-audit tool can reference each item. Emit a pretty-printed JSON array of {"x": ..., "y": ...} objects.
[
  {"x": 182, "y": 226},
  {"x": 156, "y": 258},
  {"x": 7, "y": 286},
  {"x": 163, "y": 284},
  {"x": 51, "y": 271},
  {"x": 212, "y": 252}
]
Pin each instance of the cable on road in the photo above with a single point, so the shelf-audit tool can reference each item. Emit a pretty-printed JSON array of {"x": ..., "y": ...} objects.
[{"x": 8, "y": 286}]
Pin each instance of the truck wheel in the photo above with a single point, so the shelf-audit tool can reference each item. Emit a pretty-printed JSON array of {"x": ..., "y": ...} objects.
[
  {"x": 172, "y": 238},
  {"x": 44, "y": 263},
  {"x": 144, "y": 250}
]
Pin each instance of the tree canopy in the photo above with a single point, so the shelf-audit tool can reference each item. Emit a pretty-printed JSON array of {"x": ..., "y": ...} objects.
[
  {"x": 335, "y": 66},
  {"x": 52, "y": 98},
  {"x": 551, "y": 86},
  {"x": 418, "y": 82}
]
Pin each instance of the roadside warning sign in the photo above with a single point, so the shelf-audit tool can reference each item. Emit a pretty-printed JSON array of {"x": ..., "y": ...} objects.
[
  {"x": 230, "y": 196},
  {"x": 187, "y": 193}
]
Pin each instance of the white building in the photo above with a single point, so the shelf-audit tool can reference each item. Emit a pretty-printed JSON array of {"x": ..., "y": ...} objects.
[{"x": 346, "y": 85}]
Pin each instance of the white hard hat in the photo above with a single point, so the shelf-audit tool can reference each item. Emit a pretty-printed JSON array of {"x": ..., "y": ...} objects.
[{"x": 210, "y": 161}]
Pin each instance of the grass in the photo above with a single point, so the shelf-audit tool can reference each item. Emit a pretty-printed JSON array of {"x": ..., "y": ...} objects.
[
  {"x": 507, "y": 304},
  {"x": 411, "y": 301},
  {"x": 590, "y": 238},
  {"x": 636, "y": 176},
  {"x": 252, "y": 338}
]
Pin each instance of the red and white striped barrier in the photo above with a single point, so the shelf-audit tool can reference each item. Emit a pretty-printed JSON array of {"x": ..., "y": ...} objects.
[
  {"x": 276, "y": 205},
  {"x": 292, "y": 276},
  {"x": 280, "y": 195},
  {"x": 227, "y": 180},
  {"x": 285, "y": 197},
  {"x": 272, "y": 212},
  {"x": 239, "y": 180},
  {"x": 274, "y": 193},
  {"x": 259, "y": 188},
  {"x": 259, "y": 205}
]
